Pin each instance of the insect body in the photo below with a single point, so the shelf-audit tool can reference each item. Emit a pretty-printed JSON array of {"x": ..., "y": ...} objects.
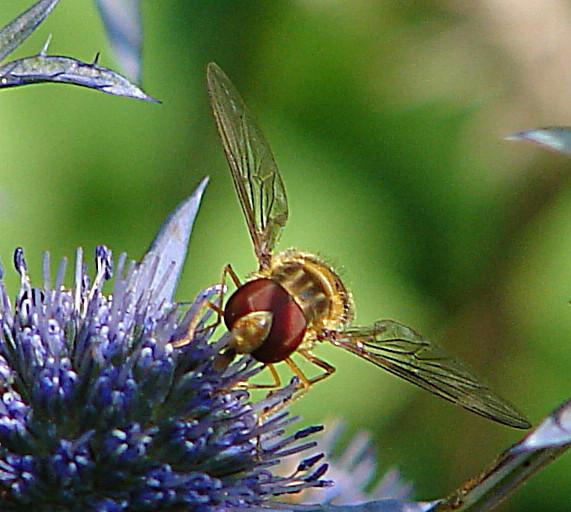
[{"x": 294, "y": 300}]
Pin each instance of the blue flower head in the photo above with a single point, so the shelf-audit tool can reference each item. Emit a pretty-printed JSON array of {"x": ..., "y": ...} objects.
[{"x": 99, "y": 412}]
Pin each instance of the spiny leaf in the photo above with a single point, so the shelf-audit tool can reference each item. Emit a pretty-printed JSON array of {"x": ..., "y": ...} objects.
[
  {"x": 388, "y": 505},
  {"x": 168, "y": 250},
  {"x": 51, "y": 68},
  {"x": 549, "y": 440},
  {"x": 556, "y": 138},
  {"x": 122, "y": 20},
  {"x": 13, "y": 34}
]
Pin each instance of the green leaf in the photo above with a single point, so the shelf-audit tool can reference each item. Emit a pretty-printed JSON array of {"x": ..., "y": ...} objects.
[{"x": 13, "y": 34}]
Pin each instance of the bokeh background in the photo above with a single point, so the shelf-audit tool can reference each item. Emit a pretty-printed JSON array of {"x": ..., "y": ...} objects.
[{"x": 387, "y": 121}]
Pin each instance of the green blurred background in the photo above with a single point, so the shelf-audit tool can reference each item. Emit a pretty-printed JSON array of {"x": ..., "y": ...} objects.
[{"x": 387, "y": 121}]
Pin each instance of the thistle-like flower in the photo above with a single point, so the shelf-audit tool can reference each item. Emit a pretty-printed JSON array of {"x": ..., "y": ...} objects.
[
  {"x": 99, "y": 412},
  {"x": 100, "y": 409}
]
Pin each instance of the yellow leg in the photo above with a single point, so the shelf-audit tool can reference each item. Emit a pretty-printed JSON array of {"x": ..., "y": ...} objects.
[
  {"x": 228, "y": 270},
  {"x": 305, "y": 383},
  {"x": 329, "y": 370},
  {"x": 218, "y": 308},
  {"x": 193, "y": 324},
  {"x": 276, "y": 384}
]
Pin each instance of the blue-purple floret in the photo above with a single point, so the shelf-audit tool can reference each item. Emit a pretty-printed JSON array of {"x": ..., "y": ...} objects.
[{"x": 99, "y": 412}]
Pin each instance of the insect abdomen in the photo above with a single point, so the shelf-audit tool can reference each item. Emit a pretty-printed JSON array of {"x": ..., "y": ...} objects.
[{"x": 317, "y": 289}]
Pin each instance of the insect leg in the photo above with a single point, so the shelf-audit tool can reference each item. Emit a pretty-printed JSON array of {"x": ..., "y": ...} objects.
[
  {"x": 304, "y": 387},
  {"x": 217, "y": 308},
  {"x": 305, "y": 382},
  {"x": 329, "y": 369},
  {"x": 228, "y": 270},
  {"x": 275, "y": 384}
]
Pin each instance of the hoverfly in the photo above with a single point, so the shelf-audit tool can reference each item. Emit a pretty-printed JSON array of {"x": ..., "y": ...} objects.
[{"x": 294, "y": 299}]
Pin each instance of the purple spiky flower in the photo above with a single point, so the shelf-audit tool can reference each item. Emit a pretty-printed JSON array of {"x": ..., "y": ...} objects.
[{"x": 99, "y": 412}]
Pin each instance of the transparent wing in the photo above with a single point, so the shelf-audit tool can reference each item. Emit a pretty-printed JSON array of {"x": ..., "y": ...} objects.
[
  {"x": 404, "y": 352},
  {"x": 254, "y": 171}
]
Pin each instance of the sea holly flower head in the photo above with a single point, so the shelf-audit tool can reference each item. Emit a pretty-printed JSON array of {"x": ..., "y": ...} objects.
[
  {"x": 98, "y": 410},
  {"x": 101, "y": 411}
]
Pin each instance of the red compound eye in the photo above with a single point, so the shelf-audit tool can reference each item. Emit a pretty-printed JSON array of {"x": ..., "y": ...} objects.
[{"x": 288, "y": 322}]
